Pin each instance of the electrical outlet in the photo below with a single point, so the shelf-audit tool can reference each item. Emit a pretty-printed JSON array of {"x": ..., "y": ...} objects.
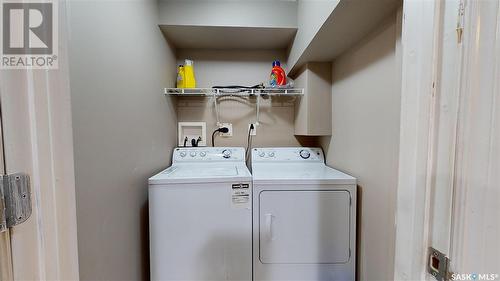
[
  {"x": 253, "y": 132},
  {"x": 229, "y": 126}
]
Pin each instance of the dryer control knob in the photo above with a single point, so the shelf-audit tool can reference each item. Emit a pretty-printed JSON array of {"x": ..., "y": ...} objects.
[
  {"x": 193, "y": 153},
  {"x": 271, "y": 154},
  {"x": 203, "y": 154},
  {"x": 304, "y": 154},
  {"x": 226, "y": 153},
  {"x": 262, "y": 154},
  {"x": 183, "y": 154}
]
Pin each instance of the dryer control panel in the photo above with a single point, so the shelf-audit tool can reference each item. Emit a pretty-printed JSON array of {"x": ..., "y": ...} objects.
[
  {"x": 208, "y": 154},
  {"x": 288, "y": 154}
]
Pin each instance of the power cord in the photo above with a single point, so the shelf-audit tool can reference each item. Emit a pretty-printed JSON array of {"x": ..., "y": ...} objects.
[
  {"x": 258, "y": 86},
  {"x": 221, "y": 130},
  {"x": 249, "y": 142}
]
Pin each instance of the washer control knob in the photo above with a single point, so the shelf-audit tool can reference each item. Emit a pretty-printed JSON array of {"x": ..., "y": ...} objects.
[
  {"x": 271, "y": 154},
  {"x": 304, "y": 154},
  {"x": 203, "y": 154},
  {"x": 226, "y": 153},
  {"x": 262, "y": 154},
  {"x": 193, "y": 153},
  {"x": 183, "y": 154}
]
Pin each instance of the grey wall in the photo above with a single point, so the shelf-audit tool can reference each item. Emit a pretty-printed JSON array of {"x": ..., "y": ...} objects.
[
  {"x": 240, "y": 67},
  {"x": 311, "y": 15},
  {"x": 269, "y": 13},
  {"x": 229, "y": 67},
  {"x": 124, "y": 130},
  {"x": 365, "y": 142}
]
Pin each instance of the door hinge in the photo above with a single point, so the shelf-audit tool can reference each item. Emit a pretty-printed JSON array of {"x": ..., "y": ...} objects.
[
  {"x": 460, "y": 21},
  {"x": 15, "y": 200},
  {"x": 438, "y": 265}
]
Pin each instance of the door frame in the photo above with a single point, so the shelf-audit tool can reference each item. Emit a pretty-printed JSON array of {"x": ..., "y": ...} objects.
[
  {"x": 457, "y": 228},
  {"x": 475, "y": 225},
  {"x": 37, "y": 133},
  {"x": 38, "y": 141},
  {"x": 5, "y": 250}
]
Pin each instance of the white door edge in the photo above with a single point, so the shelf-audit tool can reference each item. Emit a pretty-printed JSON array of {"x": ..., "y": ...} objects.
[{"x": 419, "y": 56}]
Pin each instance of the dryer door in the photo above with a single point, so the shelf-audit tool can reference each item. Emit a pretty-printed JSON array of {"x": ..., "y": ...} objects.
[{"x": 304, "y": 227}]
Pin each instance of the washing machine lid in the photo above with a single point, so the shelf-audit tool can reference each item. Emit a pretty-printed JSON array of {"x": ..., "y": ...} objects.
[
  {"x": 298, "y": 173},
  {"x": 204, "y": 173}
]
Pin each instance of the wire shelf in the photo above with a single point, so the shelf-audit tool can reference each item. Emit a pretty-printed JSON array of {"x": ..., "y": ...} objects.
[{"x": 233, "y": 92}]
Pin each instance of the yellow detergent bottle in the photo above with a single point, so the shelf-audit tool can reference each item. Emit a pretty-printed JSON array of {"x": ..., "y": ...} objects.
[
  {"x": 180, "y": 77},
  {"x": 189, "y": 80}
]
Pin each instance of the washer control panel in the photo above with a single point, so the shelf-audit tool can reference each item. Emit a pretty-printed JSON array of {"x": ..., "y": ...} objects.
[
  {"x": 288, "y": 154},
  {"x": 202, "y": 154}
]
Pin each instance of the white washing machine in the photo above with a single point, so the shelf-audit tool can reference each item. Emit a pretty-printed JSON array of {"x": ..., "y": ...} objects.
[
  {"x": 200, "y": 217},
  {"x": 304, "y": 217}
]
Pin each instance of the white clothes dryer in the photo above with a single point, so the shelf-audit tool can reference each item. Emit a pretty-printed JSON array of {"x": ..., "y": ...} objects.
[{"x": 304, "y": 217}]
